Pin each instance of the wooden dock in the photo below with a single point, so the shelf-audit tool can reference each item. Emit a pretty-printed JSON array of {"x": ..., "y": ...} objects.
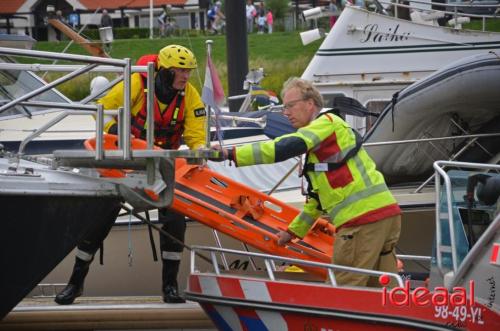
[{"x": 110, "y": 313}]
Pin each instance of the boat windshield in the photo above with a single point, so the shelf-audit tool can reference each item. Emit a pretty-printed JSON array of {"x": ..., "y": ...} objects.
[{"x": 16, "y": 83}]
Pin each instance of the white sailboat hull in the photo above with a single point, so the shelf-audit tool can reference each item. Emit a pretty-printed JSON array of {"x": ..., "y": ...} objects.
[{"x": 370, "y": 56}]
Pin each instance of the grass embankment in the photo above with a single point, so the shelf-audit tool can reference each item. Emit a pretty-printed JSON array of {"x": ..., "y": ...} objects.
[
  {"x": 281, "y": 55},
  {"x": 477, "y": 24}
]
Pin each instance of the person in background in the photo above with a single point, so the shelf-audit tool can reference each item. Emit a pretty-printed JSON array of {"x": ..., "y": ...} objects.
[
  {"x": 334, "y": 11},
  {"x": 251, "y": 12},
  {"x": 59, "y": 17},
  {"x": 179, "y": 113},
  {"x": 165, "y": 21},
  {"x": 106, "y": 20},
  {"x": 360, "y": 3},
  {"x": 261, "y": 22},
  {"x": 343, "y": 182},
  {"x": 218, "y": 18},
  {"x": 270, "y": 21}
]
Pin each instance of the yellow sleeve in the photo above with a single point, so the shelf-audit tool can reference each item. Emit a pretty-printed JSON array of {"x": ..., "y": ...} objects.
[
  {"x": 303, "y": 221},
  {"x": 194, "y": 119},
  {"x": 114, "y": 98}
]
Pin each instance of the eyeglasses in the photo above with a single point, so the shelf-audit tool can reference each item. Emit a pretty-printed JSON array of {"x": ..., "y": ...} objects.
[{"x": 292, "y": 103}]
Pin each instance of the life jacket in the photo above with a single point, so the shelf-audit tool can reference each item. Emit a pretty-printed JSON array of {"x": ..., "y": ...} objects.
[
  {"x": 336, "y": 160},
  {"x": 169, "y": 124},
  {"x": 332, "y": 158}
]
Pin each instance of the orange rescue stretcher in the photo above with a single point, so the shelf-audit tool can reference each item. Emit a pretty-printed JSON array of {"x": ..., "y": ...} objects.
[{"x": 237, "y": 210}]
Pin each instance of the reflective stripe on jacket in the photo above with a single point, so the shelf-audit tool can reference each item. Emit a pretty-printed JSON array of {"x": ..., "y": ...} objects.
[
  {"x": 194, "y": 109},
  {"x": 354, "y": 193}
]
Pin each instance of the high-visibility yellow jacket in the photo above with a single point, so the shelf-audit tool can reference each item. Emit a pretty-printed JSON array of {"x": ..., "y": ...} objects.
[
  {"x": 353, "y": 194},
  {"x": 194, "y": 114}
]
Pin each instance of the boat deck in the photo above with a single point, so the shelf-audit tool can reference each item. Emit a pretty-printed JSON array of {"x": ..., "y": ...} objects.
[{"x": 109, "y": 313}]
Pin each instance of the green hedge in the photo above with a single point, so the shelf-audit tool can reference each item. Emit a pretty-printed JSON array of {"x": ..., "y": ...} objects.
[
  {"x": 122, "y": 33},
  {"x": 137, "y": 33}
]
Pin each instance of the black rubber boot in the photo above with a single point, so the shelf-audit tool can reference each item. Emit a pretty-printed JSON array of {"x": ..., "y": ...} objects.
[
  {"x": 74, "y": 289},
  {"x": 169, "y": 280}
]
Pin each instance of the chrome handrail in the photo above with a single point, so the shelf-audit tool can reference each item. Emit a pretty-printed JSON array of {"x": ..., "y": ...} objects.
[
  {"x": 438, "y": 167},
  {"x": 455, "y": 6},
  {"x": 449, "y": 4},
  {"x": 270, "y": 259},
  {"x": 154, "y": 161},
  {"x": 260, "y": 121},
  {"x": 92, "y": 62}
]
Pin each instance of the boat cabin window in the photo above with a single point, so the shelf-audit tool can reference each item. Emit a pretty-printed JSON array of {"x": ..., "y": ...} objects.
[
  {"x": 374, "y": 106},
  {"x": 16, "y": 83},
  {"x": 480, "y": 220},
  {"x": 328, "y": 98},
  {"x": 466, "y": 233}
]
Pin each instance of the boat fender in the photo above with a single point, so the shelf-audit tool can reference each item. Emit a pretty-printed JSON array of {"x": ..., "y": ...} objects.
[{"x": 489, "y": 191}]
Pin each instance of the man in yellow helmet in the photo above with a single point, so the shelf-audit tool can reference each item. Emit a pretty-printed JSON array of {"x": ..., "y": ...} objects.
[
  {"x": 179, "y": 113},
  {"x": 343, "y": 183}
]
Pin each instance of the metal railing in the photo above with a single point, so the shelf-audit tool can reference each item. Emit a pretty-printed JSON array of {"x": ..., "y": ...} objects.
[
  {"x": 270, "y": 264},
  {"x": 91, "y": 63},
  {"x": 400, "y": 4},
  {"x": 441, "y": 174},
  {"x": 154, "y": 161}
]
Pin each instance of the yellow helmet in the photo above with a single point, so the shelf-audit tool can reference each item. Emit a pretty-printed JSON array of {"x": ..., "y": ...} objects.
[{"x": 176, "y": 56}]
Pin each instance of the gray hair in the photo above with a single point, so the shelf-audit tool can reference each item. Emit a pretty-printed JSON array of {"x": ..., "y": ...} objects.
[{"x": 306, "y": 89}]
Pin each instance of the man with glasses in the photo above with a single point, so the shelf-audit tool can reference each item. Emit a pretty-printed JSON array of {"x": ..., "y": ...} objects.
[{"x": 342, "y": 183}]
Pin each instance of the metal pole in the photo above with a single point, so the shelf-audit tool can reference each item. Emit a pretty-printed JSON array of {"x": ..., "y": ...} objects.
[
  {"x": 119, "y": 121},
  {"x": 150, "y": 163},
  {"x": 284, "y": 177},
  {"x": 237, "y": 50},
  {"x": 47, "y": 87},
  {"x": 99, "y": 151},
  {"x": 150, "y": 19},
  {"x": 219, "y": 244},
  {"x": 126, "y": 111},
  {"x": 69, "y": 57},
  {"x": 150, "y": 106},
  {"x": 207, "y": 124}
]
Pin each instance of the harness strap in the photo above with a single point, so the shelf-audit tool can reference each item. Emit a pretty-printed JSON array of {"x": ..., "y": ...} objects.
[
  {"x": 329, "y": 166},
  {"x": 393, "y": 104},
  {"x": 180, "y": 97}
]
